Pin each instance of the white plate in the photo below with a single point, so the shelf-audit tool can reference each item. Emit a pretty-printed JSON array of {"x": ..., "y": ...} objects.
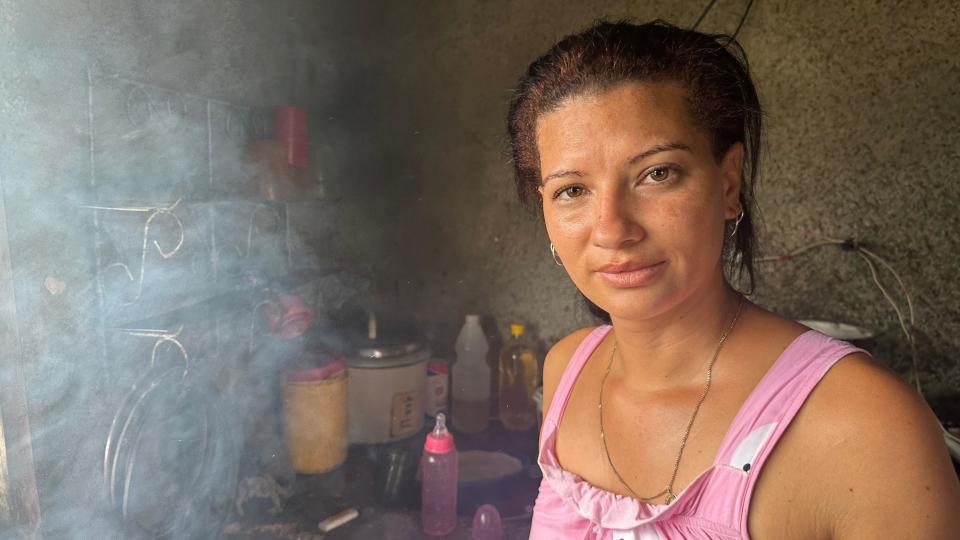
[
  {"x": 480, "y": 466},
  {"x": 836, "y": 330}
]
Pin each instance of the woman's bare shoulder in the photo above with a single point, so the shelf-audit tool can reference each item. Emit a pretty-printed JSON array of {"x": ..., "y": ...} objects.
[
  {"x": 859, "y": 394},
  {"x": 875, "y": 445},
  {"x": 557, "y": 359}
]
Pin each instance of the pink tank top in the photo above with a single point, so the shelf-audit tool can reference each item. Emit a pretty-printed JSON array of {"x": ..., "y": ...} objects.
[{"x": 716, "y": 503}]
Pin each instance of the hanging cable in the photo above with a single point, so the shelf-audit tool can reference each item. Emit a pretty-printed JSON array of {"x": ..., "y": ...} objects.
[
  {"x": 907, "y": 332},
  {"x": 704, "y": 14},
  {"x": 791, "y": 254},
  {"x": 906, "y": 324},
  {"x": 903, "y": 288},
  {"x": 709, "y": 7},
  {"x": 742, "y": 19}
]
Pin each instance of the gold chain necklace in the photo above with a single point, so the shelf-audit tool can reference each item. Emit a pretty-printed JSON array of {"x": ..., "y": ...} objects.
[{"x": 683, "y": 443}]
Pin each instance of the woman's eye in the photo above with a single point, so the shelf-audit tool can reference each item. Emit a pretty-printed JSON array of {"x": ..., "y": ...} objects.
[
  {"x": 659, "y": 174},
  {"x": 570, "y": 192}
]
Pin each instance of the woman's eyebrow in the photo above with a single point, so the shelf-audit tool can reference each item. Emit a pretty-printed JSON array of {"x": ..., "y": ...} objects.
[
  {"x": 559, "y": 174},
  {"x": 657, "y": 149}
]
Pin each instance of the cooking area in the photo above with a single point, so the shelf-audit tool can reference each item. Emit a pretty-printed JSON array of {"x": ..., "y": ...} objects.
[{"x": 264, "y": 272}]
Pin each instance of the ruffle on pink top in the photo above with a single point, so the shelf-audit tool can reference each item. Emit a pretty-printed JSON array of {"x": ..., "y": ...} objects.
[{"x": 600, "y": 506}]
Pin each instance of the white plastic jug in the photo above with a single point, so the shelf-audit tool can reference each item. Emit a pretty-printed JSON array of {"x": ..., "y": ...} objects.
[{"x": 471, "y": 379}]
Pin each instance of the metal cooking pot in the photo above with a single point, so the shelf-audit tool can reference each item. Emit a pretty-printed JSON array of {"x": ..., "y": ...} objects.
[{"x": 387, "y": 375}]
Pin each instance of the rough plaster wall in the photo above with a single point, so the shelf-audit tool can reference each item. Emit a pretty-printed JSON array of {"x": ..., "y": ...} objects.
[
  {"x": 863, "y": 138},
  {"x": 862, "y": 141}
]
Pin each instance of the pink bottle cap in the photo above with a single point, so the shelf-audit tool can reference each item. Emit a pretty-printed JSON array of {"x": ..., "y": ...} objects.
[
  {"x": 439, "y": 441},
  {"x": 290, "y": 129}
]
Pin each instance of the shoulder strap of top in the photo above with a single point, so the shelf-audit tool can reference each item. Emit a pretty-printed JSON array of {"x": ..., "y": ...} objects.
[
  {"x": 773, "y": 404},
  {"x": 580, "y": 356}
]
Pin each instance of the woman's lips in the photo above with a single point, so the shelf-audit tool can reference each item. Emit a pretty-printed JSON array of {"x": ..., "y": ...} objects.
[{"x": 632, "y": 277}]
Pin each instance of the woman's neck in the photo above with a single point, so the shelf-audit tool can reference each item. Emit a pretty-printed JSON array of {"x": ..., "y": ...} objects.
[{"x": 673, "y": 348}]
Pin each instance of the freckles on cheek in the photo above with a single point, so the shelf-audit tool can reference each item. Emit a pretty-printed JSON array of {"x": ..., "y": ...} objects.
[
  {"x": 684, "y": 212},
  {"x": 673, "y": 213},
  {"x": 571, "y": 225},
  {"x": 666, "y": 217}
]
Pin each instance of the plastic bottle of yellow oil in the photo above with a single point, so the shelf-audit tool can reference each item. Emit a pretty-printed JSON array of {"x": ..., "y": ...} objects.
[{"x": 518, "y": 381}]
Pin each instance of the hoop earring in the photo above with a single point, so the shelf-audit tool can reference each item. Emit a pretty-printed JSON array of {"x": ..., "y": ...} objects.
[
  {"x": 553, "y": 251},
  {"x": 736, "y": 224}
]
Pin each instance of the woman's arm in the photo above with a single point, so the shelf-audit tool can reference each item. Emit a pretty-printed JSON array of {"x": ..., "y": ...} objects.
[{"x": 885, "y": 471}]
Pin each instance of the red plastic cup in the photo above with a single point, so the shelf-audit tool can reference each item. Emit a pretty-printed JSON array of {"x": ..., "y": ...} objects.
[{"x": 290, "y": 130}]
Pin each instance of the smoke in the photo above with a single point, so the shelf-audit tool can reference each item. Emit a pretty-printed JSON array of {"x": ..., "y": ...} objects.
[{"x": 141, "y": 247}]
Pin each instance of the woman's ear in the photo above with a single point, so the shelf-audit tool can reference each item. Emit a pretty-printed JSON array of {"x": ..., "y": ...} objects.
[{"x": 731, "y": 168}]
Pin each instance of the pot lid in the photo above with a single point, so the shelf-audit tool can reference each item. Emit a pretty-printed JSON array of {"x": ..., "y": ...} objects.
[
  {"x": 380, "y": 348},
  {"x": 417, "y": 355}
]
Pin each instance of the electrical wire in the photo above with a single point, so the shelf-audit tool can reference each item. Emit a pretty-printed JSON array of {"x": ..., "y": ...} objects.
[
  {"x": 907, "y": 332},
  {"x": 742, "y": 19},
  {"x": 791, "y": 254},
  {"x": 953, "y": 442},
  {"x": 903, "y": 288},
  {"x": 870, "y": 258},
  {"x": 704, "y": 14},
  {"x": 709, "y": 7}
]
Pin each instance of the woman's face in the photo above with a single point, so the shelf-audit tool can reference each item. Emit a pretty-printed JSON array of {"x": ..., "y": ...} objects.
[{"x": 633, "y": 198}]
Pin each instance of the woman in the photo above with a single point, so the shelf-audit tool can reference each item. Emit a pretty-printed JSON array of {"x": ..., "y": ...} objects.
[{"x": 641, "y": 145}]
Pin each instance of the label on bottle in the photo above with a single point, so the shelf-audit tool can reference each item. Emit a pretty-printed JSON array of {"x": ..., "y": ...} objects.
[{"x": 403, "y": 421}]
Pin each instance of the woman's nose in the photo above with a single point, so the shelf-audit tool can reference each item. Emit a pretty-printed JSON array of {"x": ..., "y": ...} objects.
[{"x": 615, "y": 224}]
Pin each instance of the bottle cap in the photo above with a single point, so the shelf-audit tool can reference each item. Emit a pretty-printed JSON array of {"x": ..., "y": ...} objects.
[
  {"x": 517, "y": 329},
  {"x": 439, "y": 441}
]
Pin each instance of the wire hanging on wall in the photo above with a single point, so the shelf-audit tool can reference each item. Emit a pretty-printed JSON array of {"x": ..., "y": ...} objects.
[
  {"x": 709, "y": 7},
  {"x": 743, "y": 19},
  {"x": 906, "y": 322},
  {"x": 704, "y": 14}
]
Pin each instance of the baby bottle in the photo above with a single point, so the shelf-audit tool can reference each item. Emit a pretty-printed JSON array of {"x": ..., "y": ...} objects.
[{"x": 438, "y": 507}]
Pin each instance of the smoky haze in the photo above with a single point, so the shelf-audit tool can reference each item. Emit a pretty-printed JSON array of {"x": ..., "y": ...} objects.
[{"x": 140, "y": 249}]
